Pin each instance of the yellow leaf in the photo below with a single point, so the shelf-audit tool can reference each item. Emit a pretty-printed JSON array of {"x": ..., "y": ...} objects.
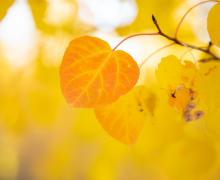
[
  {"x": 180, "y": 98},
  {"x": 178, "y": 79},
  {"x": 171, "y": 72},
  {"x": 208, "y": 92},
  {"x": 168, "y": 72},
  {"x": 125, "y": 118},
  {"x": 213, "y": 24}
]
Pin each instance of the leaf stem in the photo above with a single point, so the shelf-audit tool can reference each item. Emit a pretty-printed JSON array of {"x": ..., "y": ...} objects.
[
  {"x": 155, "y": 52},
  {"x": 134, "y": 35},
  {"x": 187, "y": 12}
]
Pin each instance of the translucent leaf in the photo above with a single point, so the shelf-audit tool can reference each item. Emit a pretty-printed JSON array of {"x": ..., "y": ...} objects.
[
  {"x": 171, "y": 72},
  {"x": 168, "y": 71},
  {"x": 214, "y": 24},
  {"x": 178, "y": 79},
  {"x": 180, "y": 98},
  {"x": 167, "y": 124},
  {"x": 125, "y": 118},
  {"x": 93, "y": 74}
]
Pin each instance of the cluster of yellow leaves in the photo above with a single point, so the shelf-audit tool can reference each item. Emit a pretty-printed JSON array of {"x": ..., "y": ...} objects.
[
  {"x": 95, "y": 76},
  {"x": 178, "y": 79},
  {"x": 193, "y": 87},
  {"x": 74, "y": 147},
  {"x": 194, "y": 153}
]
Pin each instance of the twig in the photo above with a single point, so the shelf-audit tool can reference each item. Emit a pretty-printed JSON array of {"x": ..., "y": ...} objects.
[
  {"x": 205, "y": 60},
  {"x": 209, "y": 45},
  {"x": 177, "y": 41}
]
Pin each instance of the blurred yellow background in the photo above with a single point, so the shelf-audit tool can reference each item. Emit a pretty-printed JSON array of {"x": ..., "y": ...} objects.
[{"x": 43, "y": 138}]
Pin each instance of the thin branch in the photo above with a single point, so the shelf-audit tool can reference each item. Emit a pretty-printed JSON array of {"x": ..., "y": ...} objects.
[
  {"x": 205, "y": 60},
  {"x": 206, "y": 50},
  {"x": 135, "y": 35},
  {"x": 187, "y": 12},
  {"x": 177, "y": 41},
  {"x": 156, "y": 24}
]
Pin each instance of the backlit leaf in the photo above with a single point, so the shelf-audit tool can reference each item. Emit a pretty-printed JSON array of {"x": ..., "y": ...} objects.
[
  {"x": 171, "y": 72},
  {"x": 93, "y": 74},
  {"x": 178, "y": 79},
  {"x": 125, "y": 118},
  {"x": 214, "y": 24},
  {"x": 168, "y": 72}
]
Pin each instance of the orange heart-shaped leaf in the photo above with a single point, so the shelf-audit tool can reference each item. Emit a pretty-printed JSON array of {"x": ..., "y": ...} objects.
[{"x": 93, "y": 74}]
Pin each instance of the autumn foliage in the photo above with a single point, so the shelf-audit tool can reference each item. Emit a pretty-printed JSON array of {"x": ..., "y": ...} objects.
[
  {"x": 109, "y": 89},
  {"x": 95, "y": 76}
]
